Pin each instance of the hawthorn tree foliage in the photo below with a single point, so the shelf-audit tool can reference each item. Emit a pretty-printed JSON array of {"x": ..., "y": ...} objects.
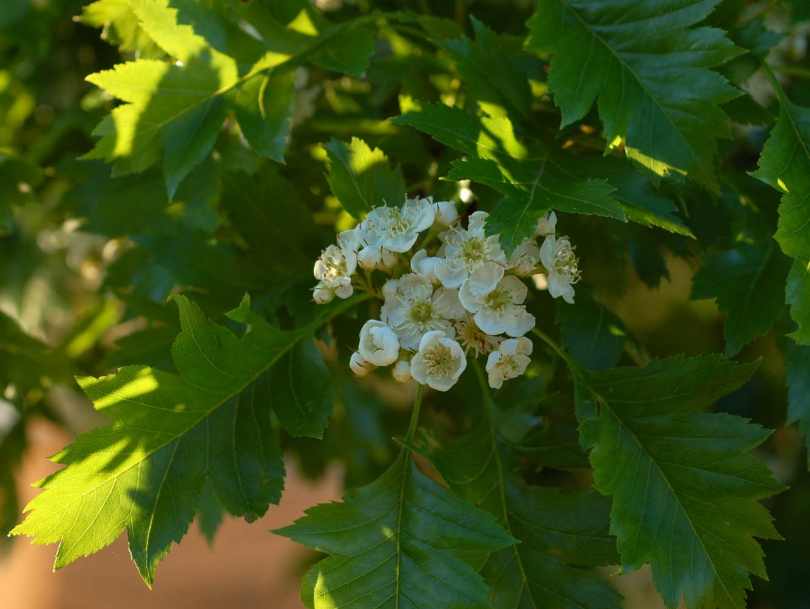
[{"x": 454, "y": 155}]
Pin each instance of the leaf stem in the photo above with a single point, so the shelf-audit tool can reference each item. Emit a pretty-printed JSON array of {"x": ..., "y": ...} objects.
[
  {"x": 417, "y": 406},
  {"x": 572, "y": 365}
]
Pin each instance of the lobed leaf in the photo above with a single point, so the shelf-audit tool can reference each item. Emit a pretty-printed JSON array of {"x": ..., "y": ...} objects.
[
  {"x": 684, "y": 490},
  {"x": 396, "y": 543},
  {"x": 527, "y": 176},
  {"x": 556, "y": 529},
  {"x": 747, "y": 283},
  {"x": 785, "y": 166},
  {"x": 651, "y": 72},
  {"x": 173, "y": 433}
]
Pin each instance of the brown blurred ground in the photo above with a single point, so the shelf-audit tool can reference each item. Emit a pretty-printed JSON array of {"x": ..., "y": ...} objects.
[{"x": 247, "y": 568}]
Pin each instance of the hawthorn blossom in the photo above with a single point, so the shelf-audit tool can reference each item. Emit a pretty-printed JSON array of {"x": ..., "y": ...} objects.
[
  {"x": 359, "y": 366},
  {"x": 379, "y": 344},
  {"x": 414, "y": 308},
  {"x": 425, "y": 265},
  {"x": 525, "y": 258},
  {"x": 473, "y": 338},
  {"x": 471, "y": 254},
  {"x": 500, "y": 311},
  {"x": 547, "y": 225},
  {"x": 333, "y": 270},
  {"x": 509, "y": 361},
  {"x": 557, "y": 255},
  {"x": 401, "y": 371},
  {"x": 445, "y": 212},
  {"x": 439, "y": 361}
]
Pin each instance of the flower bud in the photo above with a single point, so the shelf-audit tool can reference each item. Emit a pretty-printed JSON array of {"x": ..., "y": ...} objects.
[
  {"x": 359, "y": 366},
  {"x": 402, "y": 371}
]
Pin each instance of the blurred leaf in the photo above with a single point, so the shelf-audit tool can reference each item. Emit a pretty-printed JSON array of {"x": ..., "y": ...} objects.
[
  {"x": 396, "y": 543},
  {"x": 684, "y": 490},
  {"x": 120, "y": 24},
  {"x": 797, "y": 363}
]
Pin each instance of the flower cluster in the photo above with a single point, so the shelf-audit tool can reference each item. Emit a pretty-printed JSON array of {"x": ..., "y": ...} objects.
[{"x": 447, "y": 301}]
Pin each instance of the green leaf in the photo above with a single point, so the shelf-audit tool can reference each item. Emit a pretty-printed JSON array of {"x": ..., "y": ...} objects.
[
  {"x": 120, "y": 24},
  {"x": 747, "y": 283},
  {"x": 493, "y": 76},
  {"x": 527, "y": 176},
  {"x": 684, "y": 490},
  {"x": 797, "y": 363},
  {"x": 276, "y": 225},
  {"x": 171, "y": 433},
  {"x": 175, "y": 111},
  {"x": 362, "y": 178},
  {"x": 785, "y": 166},
  {"x": 650, "y": 71},
  {"x": 593, "y": 335},
  {"x": 395, "y": 543},
  {"x": 263, "y": 106},
  {"x": 556, "y": 529},
  {"x": 798, "y": 297}
]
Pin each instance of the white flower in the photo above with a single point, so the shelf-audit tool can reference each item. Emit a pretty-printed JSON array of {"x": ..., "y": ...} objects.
[
  {"x": 425, "y": 265},
  {"x": 359, "y": 366},
  {"x": 439, "y": 361},
  {"x": 546, "y": 225},
  {"x": 414, "y": 308},
  {"x": 445, "y": 212},
  {"x": 525, "y": 258},
  {"x": 397, "y": 228},
  {"x": 471, "y": 254},
  {"x": 472, "y": 338},
  {"x": 558, "y": 257},
  {"x": 376, "y": 257},
  {"x": 401, "y": 371},
  {"x": 501, "y": 310},
  {"x": 390, "y": 288},
  {"x": 379, "y": 344},
  {"x": 509, "y": 361},
  {"x": 333, "y": 270}
]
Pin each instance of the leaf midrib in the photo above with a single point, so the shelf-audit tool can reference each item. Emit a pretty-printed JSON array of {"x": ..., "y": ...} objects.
[{"x": 639, "y": 80}]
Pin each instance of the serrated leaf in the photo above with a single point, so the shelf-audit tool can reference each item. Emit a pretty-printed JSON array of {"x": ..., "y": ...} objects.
[
  {"x": 395, "y": 543},
  {"x": 176, "y": 111},
  {"x": 531, "y": 183},
  {"x": 120, "y": 25},
  {"x": 684, "y": 490},
  {"x": 170, "y": 434},
  {"x": 747, "y": 283},
  {"x": 494, "y": 77},
  {"x": 650, "y": 71},
  {"x": 797, "y": 363},
  {"x": 593, "y": 335},
  {"x": 362, "y": 178},
  {"x": 555, "y": 529},
  {"x": 785, "y": 166}
]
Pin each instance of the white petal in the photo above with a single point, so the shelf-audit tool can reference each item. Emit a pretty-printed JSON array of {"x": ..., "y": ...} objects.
[
  {"x": 485, "y": 278},
  {"x": 446, "y": 212},
  {"x": 358, "y": 365},
  {"x": 450, "y": 276},
  {"x": 470, "y": 301},
  {"x": 518, "y": 321},
  {"x": 516, "y": 288},
  {"x": 448, "y": 304}
]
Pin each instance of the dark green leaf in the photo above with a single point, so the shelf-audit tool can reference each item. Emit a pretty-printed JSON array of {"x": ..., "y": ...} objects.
[
  {"x": 395, "y": 543},
  {"x": 493, "y": 76},
  {"x": 556, "y": 529},
  {"x": 684, "y": 490},
  {"x": 785, "y": 166},
  {"x": 747, "y": 283},
  {"x": 797, "y": 365},
  {"x": 593, "y": 335},
  {"x": 650, "y": 71}
]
